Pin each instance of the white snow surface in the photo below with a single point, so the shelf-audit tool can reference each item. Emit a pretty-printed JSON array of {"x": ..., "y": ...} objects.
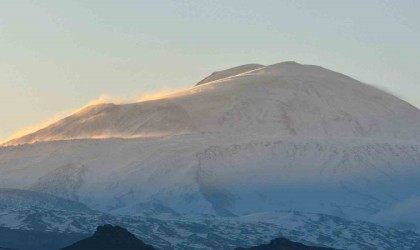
[
  {"x": 285, "y": 99},
  {"x": 280, "y": 137}
]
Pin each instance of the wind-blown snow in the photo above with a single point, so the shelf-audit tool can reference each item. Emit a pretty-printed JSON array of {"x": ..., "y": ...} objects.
[
  {"x": 280, "y": 137},
  {"x": 286, "y": 99}
]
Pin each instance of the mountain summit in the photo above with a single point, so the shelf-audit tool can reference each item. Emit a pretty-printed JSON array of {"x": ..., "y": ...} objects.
[
  {"x": 219, "y": 75},
  {"x": 284, "y": 99}
]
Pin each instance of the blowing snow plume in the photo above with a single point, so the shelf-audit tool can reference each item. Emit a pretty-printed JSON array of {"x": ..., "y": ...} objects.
[
  {"x": 100, "y": 118},
  {"x": 286, "y": 99}
]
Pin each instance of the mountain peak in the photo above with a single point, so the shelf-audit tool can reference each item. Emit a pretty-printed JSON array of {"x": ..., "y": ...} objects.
[
  {"x": 284, "y": 244},
  {"x": 110, "y": 237},
  {"x": 109, "y": 230},
  {"x": 218, "y": 75},
  {"x": 286, "y": 99}
]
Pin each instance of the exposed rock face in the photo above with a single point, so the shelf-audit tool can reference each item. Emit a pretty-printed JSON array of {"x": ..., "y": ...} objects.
[
  {"x": 284, "y": 244},
  {"x": 110, "y": 237}
]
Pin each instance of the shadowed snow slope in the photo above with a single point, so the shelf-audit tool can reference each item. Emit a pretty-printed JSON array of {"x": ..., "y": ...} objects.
[
  {"x": 22, "y": 199},
  {"x": 279, "y": 137}
]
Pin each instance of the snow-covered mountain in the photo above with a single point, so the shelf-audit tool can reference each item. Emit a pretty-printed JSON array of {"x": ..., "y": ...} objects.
[
  {"x": 189, "y": 232},
  {"x": 285, "y": 99},
  {"x": 251, "y": 139}
]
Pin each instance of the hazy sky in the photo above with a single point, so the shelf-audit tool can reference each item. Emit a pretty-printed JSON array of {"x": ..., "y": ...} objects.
[{"x": 56, "y": 56}]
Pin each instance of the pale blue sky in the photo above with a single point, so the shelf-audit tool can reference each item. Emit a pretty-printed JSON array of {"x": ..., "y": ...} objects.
[{"x": 56, "y": 56}]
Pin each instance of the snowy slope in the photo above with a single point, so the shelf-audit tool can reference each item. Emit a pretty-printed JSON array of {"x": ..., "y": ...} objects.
[
  {"x": 12, "y": 199},
  {"x": 280, "y": 137},
  {"x": 110, "y": 120},
  {"x": 285, "y": 99},
  {"x": 192, "y": 174},
  {"x": 208, "y": 232}
]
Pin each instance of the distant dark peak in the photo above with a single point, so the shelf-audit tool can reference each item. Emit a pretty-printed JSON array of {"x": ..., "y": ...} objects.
[
  {"x": 108, "y": 237},
  {"x": 108, "y": 230},
  {"x": 284, "y": 244},
  {"x": 218, "y": 75}
]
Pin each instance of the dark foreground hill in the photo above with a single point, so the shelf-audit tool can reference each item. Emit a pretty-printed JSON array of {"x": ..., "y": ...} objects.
[
  {"x": 110, "y": 237},
  {"x": 36, "y": 240},
  {"x": 284, "y": 244}
]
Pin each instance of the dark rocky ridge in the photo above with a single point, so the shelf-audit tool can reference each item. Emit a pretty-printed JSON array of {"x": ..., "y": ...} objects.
[
  {"x": 284, "y": 244},
  {"x": 110, "y": 237}
]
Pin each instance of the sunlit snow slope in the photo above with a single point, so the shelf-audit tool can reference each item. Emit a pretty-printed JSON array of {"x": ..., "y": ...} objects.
[
  {"x": 285, "y": 99},
  {"x": 246, "y": 140}
]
